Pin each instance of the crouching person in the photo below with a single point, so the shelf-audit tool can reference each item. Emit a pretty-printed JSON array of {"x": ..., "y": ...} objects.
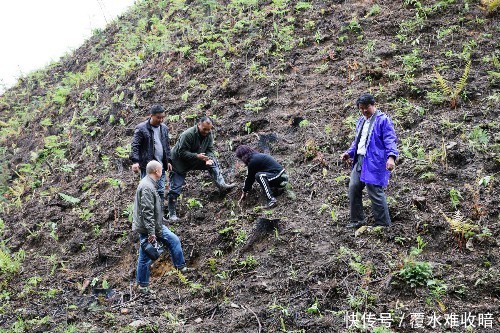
[
  {"x": 147, "y": 221},
  {"x": 264, "y": 169}
]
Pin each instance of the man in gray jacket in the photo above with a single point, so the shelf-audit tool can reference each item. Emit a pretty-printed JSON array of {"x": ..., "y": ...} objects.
[
  {"x": 147, "y": 221},
  {"x": 194, "y": 151}
]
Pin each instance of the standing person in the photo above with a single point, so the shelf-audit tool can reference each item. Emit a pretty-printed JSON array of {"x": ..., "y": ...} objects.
[
  {"x": 372, "y": 154},
  {"x": 147, "y": 221},
  {"x": 270, "y": 175},
  {"x": 150, "y": 143},
  {"x": 193, "y": 151}
]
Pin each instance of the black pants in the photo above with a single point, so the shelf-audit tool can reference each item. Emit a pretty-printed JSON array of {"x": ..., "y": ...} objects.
[{"x": 268, "y": 180}]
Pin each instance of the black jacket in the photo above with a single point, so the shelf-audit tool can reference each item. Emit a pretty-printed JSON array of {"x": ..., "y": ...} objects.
[
  {"x": 260, "y": 163},
  {"x": 143, "y": 148}
]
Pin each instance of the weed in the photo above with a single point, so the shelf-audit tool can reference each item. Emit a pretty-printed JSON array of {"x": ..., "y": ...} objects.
[
  {"x": 479, "y": 138},
  {"x": 302, "y": 6},
  {"x": 321, "y": 68},
  {"x": 193, "y": 203},
  {"x": 248, "y": 127},
  {"x": 310, "y": 149},
  {"x": 455, "y": 197},
  {"x": 412, "y": 61},
  {"x": 313, "y": 309},
  {"x": 374, "y": 10},
  {"x": 113, "y": 182},
  {"x": 249, "y": 262},
  {"x": 255, "y": 105},
  {"x": 304, "y": 123},
  {"x": 129, "y": 211},
  {"x": 10, "y": 264},
  {"x": 415, "y": 273}
]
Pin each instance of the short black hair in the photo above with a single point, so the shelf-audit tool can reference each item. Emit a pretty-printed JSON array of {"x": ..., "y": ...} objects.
[
  {"x": 204, "y": 119},
  {"x": 365, "y": 99},
  {"x": 156, "y": 109}
]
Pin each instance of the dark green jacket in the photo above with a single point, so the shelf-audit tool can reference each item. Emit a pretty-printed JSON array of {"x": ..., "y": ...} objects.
[
  {"x": 148, "y": 216},
  {"x": 190, "y": 144}
]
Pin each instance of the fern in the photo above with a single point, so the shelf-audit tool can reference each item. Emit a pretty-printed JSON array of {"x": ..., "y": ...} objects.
[
  {"x": 442, "y": 83},
  {"x": 68, "y": 198},
  {"x": 462, "y": 82},
  {"x": 491, "y": 5},
  {"x": 8, "y": 264},
  {"x": 461, "y": 227},
  {"x": 459, "y": 86}
]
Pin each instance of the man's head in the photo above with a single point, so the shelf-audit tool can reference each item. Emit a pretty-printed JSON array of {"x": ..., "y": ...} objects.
[
  {"x": 205, "y": 125},
  {"x": 154, "y": 169},
  {"x": 157, "y": 115},
  {"x": 366, "y": 105}
]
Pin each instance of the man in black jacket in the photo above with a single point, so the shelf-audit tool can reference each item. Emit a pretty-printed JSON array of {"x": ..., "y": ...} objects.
[
  {"x": 150, "y": 143},
  {"x": 270, "y": 175}
]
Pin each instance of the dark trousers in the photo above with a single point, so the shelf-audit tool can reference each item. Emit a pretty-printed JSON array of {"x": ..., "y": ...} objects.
[
  {"x": 375, "y": 193},
  {"x": 268, "y": 180},
  {"x": 177, "y": 179}
]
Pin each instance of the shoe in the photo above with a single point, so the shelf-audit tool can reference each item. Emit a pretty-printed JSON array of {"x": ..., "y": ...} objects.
[
  {"x": 277, "y": 191},
  {"x": 377, "y": 224},
  {"x": 226, "y": 187},
  {"x": 185, "y": 269},
  {"x": 165, "y": 221},
  {"x": 145, "y": 290},
  {"x": 271, "y": 203},
  {"x": 172, "y": 201},
  {"x": 355, "y": 225}
]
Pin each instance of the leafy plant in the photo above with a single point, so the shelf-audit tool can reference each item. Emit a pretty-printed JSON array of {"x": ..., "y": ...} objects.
[
  {"x": 255, "y": 105},
  {"x": 248, "y": 127},
  {"x": 249, "y": 261},
  {"x": 69, "y": 198},
  {"x": 313, "y": 308},
  {"x": 455, "y": 197},
  {"x": 304, "y": 123},
  {"x": 478, "y": 138},
  {"x": 415, "y": 273},
  {"x": 123, "y": 152},
  {"x": 193, "y": 203}
]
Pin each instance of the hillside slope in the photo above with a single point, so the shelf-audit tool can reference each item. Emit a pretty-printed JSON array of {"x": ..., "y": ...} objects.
[{"x": 283, "y": 76}]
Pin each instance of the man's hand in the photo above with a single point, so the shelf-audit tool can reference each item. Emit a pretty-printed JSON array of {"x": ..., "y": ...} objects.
[
  {"x": 202, "y": 157},
  {"x": 135, "y": 167},
  {"x": 391, "y": 164},
  {"x": 209, "y": 162},
  {"x": 169, "y": 167},
  {"x": 346, "y": 158},
  {"x": 243, "y": 196},
  {"x": 152, "y": 239}
]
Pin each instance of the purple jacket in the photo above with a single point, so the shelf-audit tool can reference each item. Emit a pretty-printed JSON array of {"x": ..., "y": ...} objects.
[{"x": 380, "y": 145}]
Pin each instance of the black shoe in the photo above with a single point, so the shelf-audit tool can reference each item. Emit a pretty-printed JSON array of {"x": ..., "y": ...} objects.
[
  {"x": 355, "y": 225},
  {"x": 377, "y": 224},
  {"x": 271, "y": 203},
  {"x": 277, "y": 191}
]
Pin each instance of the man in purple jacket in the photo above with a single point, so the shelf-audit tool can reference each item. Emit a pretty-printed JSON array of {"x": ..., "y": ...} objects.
[{"x": 373, "y": 154}]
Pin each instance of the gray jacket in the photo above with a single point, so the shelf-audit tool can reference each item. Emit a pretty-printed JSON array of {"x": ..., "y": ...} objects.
[{"x": 147, "y": 208}]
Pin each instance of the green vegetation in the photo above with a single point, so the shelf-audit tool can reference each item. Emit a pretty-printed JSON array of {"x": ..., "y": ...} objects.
[{"x": 282, "y": 76}]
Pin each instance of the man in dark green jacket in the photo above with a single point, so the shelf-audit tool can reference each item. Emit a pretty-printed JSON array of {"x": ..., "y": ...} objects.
[
  {"x": 147, "y": 221},
  {"x": 194, "y": 151}
]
